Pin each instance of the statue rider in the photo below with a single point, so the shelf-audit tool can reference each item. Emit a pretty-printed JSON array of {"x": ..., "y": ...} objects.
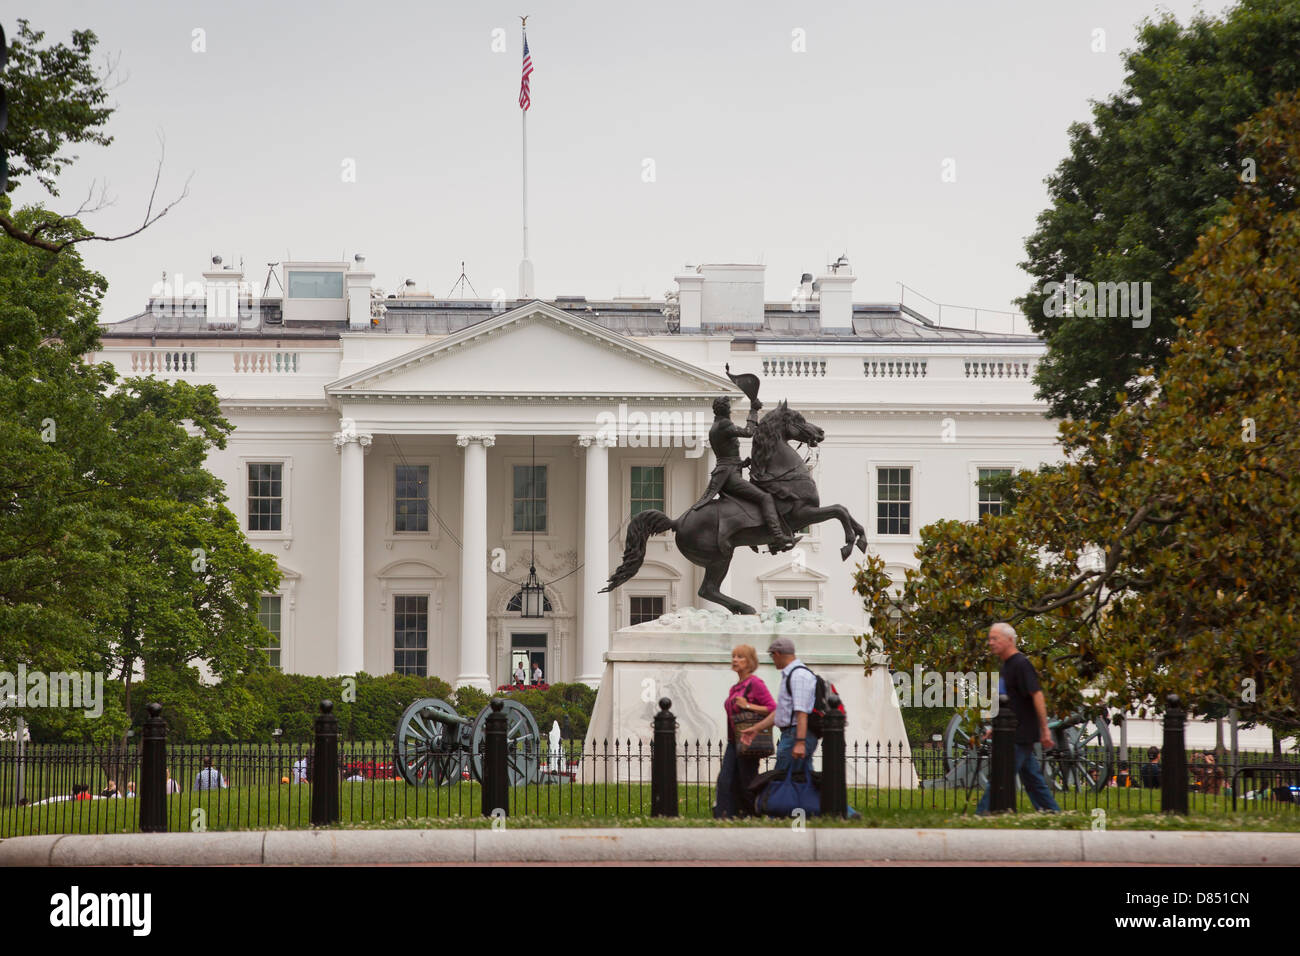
[{"x": 724, "y": 438}]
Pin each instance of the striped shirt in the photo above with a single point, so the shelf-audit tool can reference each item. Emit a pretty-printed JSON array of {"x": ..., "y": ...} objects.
[{"x": 798, "y": 689}]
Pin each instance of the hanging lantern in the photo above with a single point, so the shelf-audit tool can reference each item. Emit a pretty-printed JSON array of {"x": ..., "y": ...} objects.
[{"x": 533, "y": 595}]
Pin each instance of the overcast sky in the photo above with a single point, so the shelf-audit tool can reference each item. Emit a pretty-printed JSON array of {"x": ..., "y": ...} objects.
[{"x": 760, "y": 152}]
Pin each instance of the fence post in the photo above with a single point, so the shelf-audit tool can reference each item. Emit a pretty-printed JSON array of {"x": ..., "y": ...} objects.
[
  {"x": 1002, "y": 770},
  {"x": 495, "y": 793},
  {"x": 663, "y": 763},
  {"x": 153, "y": 772},
  {"x": 835, "y": 796},
  {"x": 1173, "y": 759},
  {"x": 325, "y": 768}
]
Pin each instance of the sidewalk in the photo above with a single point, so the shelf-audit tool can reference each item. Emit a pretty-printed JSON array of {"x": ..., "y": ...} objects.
[{"x": 286, "y": 847}]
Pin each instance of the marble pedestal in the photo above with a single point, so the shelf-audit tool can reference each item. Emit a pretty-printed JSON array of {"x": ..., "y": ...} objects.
[{"x": 686, "y": 657}]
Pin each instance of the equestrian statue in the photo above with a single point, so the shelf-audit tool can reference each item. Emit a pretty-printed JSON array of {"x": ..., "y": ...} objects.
[{"x": 778, "y": 496}]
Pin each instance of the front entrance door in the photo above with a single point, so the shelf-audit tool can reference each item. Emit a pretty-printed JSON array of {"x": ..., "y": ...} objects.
[{"x": 528, "y": 650}]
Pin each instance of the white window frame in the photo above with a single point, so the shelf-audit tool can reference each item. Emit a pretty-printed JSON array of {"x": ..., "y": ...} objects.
[
  {"x": 973, "y": 471},
  {"x": 641, "y": 594},
  {"x": 433, "y": 536},
  {"x": 285, "y": 534},
  {"x": 791, "y": 581},
  {"x": 628, "y": 464},
  {"x": 284, "y": 610},
  {"x": 793, "y": 597},
  {"x": 657, "y": 579},
  {"x": 407, "y": 577},
  {"x": 288, "y": 594},
  {"x": 430, "y": 629},
  {"x": 508, "y": 531},
  {"x": 873, "y": 493}
]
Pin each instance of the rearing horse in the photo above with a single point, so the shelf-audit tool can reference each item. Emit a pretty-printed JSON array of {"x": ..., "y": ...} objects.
[{"x": 709, "y": 535}]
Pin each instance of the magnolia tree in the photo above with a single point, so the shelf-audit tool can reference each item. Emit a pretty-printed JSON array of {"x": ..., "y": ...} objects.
[{"x": 1162, "y": 556}]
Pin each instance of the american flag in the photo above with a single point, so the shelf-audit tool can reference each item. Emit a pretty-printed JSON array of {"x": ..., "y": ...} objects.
[{"x": 524, "y": 99}]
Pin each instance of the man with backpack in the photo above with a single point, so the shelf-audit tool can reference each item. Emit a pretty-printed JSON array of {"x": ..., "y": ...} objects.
[{"x": 794, "y": 704}]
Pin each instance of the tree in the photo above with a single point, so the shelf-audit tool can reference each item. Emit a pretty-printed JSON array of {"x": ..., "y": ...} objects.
[
  {"x": 117, "y": 553},
  {"x": 1157, "y": 165},
  {"x": 1162, "y": 556},
  {"x": 57, "y": 98}
]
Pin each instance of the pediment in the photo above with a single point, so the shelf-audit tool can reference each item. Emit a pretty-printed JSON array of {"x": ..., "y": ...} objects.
[
  {"x": 534, "y": 351},
  {"x": 791, "y": 572}
]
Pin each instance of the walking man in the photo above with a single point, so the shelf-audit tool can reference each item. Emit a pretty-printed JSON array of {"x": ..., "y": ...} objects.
[
  {"x": 793, "y": 705},
  {"x": 1019, "y": 681}
]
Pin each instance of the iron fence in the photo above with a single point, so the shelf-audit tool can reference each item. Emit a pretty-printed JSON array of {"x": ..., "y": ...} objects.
[{"x": 57, "y": 788}]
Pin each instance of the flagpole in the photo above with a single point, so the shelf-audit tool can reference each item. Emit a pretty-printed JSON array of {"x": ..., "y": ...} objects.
[
  {"x": 524, "y": 118},
  {"x": 525, "y": 266}
]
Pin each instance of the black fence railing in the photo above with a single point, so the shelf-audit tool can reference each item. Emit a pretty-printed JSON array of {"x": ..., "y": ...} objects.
[
  {"x": 164, "y": 786},
  {"x": 80, "y": 789}
]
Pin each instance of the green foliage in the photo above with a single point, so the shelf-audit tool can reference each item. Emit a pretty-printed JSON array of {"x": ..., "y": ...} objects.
[
  {"x": 468, "y": 701},
  {"x": 922, "y": 723},
  {"x": 570, "y": 704},
  {"x": 1157, "y": 165},
  {"x": 1162, "y": 556},
  {"x": 55, "y": 98}
]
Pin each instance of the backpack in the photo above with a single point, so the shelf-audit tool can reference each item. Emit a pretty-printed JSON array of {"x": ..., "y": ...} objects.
[{"x": 822, "y": 690}]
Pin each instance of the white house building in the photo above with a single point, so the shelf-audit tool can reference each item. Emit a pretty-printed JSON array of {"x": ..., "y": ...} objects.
[{"x": 406, "y": 459}]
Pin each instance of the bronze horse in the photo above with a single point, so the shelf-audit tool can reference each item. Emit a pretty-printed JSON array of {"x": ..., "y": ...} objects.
[{"x": 709, "y": 535}]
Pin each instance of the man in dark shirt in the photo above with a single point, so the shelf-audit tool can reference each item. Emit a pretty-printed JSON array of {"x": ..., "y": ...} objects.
[
  {"x": 1019, "y": 682},
  {"x": 1151, "y": 769}
]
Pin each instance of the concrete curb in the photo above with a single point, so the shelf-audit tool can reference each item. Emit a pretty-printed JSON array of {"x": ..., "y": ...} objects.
[{"x": 631, "y": 845}]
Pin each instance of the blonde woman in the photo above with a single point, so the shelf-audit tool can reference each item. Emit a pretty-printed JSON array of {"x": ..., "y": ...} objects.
[{"x": 748, "y": 698}]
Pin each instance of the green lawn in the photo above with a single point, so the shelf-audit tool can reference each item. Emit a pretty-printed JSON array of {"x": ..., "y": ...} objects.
[{"x": 386, "y": 804}]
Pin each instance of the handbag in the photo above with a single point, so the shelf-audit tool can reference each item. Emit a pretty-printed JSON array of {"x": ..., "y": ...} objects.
[
  {"x": 784, "y": 795},
  {"x": 762, "y": 745}
]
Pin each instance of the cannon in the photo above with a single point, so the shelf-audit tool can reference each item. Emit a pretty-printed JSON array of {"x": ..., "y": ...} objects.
[
  {"x": 1083, "y": 758},
  {"x": 436, "y": 745}
]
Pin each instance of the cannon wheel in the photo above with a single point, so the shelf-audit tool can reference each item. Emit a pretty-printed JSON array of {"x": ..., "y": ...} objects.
[
  {"x": 523, "y": 743},
  {"x": 427, "y": 748},
  {"x": 1087, "y": 757},
  {"x": 1086, "y": 763},
  {"x": 961, "y": 744}
]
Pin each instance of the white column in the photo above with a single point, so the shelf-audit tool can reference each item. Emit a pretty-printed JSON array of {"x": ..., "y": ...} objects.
[
  {"x": 595, "y": 560},
  {"x": 352, "y": 447},
  {"x": 473, "y": 564}
]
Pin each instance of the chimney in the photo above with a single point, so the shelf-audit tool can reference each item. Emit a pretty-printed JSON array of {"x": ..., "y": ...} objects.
[
  {"x": 221, "y": 287},
  {"x": 836, "y": 294},
  {"x": 358, "y": 284},
  {"x": 690, "y": 289},
  {"x": 733, "y": 294}
]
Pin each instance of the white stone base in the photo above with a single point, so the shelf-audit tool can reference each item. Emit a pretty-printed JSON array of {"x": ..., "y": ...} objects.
[{"x": 686, "y": 657}]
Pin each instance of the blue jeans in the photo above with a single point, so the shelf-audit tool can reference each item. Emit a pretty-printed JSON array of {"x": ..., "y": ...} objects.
[
  {"x": 734, "y": 797},
  {"x": 1031, "y": 775},
  {"x": 785, "y": 750}
]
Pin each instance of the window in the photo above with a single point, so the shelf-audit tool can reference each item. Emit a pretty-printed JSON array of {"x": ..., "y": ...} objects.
[
  {"x": 268, "y": 615},
  {"x": 990, "y": 501},
  {"x": 642, "y": 609},
  {"x": 516, "y": 603},
  {"x": 265, "y": 496},
  {"x": 315, "y": 285},
  {"x": 894, "y": 501},
  {"x": 647, "y": 488},
  {"x": 794, "y": 603},
  {"x": 411, "y": 634},
  {"x": 530, "y": 498},
  {"x": 412, "y": 498}
]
